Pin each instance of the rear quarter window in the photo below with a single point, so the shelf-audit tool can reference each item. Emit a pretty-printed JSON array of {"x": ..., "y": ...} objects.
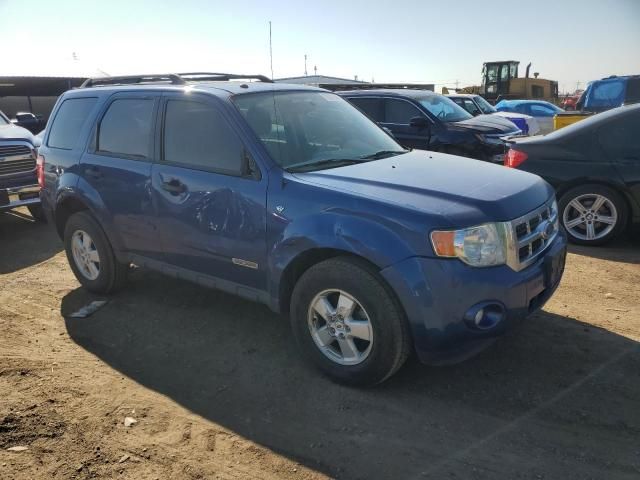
[
  {"x": 371, "y": 107},
  {"x": 69, "y": 121}
]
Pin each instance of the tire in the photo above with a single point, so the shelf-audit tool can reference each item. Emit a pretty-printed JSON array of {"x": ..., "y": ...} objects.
[
  {"x": 377, "y": 315},
  {"x": 37, "y": 213},
  {"x": 583, "y": 227},
  {"x": 107, "y": 274}
]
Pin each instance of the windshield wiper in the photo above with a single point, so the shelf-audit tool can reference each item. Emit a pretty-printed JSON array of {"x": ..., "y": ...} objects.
[
  {"x": 383, "y": 154},
  {"x": 323, "y": 164}
]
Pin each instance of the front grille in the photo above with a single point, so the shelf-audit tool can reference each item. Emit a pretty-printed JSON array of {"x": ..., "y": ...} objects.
[
  {"x": 16, "y": 158},
  {"x": 532, "y": 233},
  {"x": 9, "y": 167},
  {"x": 14, "y": 151}
]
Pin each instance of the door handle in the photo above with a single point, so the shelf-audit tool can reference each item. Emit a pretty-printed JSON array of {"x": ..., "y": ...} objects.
[
  {"x": 174, "y": 186},
  {"x": 93, "y": 172}
]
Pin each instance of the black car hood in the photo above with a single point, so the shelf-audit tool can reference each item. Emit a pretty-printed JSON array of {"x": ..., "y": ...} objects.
[
  {"x": 13, "y": 132},
  {"x": 488, "y": 124}
]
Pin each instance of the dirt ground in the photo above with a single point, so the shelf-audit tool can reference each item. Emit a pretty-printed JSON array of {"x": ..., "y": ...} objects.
[{"x": 218, "y": 390}]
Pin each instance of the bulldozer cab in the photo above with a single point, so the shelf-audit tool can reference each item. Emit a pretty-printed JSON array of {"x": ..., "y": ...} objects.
[{"x": 496, "y": 77}]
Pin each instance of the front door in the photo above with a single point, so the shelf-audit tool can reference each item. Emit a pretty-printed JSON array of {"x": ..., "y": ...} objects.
[{"x": 210, "y": 204}]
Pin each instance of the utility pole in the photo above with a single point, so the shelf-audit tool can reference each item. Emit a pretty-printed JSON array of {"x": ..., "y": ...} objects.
[
  {"x": 270, "y": 50},
  {"x": 305, "y": 64},
  {"x": 315, "y": 70}
]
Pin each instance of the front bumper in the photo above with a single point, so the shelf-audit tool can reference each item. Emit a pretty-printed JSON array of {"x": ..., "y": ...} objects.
[
  {"x": 437, "y": 293},
  {"x": 14, "y": 197}
]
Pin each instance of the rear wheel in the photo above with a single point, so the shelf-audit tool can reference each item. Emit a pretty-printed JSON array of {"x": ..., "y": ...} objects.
[
  {"x": 592, "y": 214},
  {"x": 347, "y": 322},
  {"x": 91, "y": 256}
]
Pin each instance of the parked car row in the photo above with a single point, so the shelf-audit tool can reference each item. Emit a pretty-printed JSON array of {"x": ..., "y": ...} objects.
[{"x": 337, "y": 216}]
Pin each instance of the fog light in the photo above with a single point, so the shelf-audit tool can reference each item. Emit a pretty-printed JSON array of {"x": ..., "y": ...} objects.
[{"x": 484, "y": 316}]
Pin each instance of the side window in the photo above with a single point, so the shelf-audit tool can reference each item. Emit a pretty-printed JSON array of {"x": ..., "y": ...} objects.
[
  {"x": 371, "y": 107},
  {"x": 620, "y": 138},
  {"x": 197, "y": 136},
  {"x": 68, "y": 122},
  {"x": 521, "y": 108},
  {"x": 127, "y": 128},
  {"x": 400, "y": 111},
  {"x": 607, "y": 94},
  {"x": 471, "y": 107},
  {"x": 541, "y": 111}
]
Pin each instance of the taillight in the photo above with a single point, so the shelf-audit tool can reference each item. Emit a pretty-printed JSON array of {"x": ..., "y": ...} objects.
[
  {"x": 514, "y": 158},
  {"x": 40, "y": 170}
]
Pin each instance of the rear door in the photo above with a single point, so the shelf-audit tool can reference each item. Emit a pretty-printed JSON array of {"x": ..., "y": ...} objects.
[
  {"x": 116, "y": 169},
  {"x": 398, "y": 113},
  {"x": 620, "y": 139},
  {"x": 210, "y": 202}
]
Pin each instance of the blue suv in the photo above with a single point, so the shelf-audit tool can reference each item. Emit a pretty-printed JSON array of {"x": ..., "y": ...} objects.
[{"x": 290, "y": 196}]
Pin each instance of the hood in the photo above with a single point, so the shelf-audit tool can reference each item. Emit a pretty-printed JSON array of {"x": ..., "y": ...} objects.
[
  {"x": 487, "y": 124},
  {"x": 13, "y": 132},
  {"x": 461, "y": 191}
]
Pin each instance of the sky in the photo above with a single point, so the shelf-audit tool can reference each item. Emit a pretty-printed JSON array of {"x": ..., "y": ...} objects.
[{"x": 422, "y": 41}]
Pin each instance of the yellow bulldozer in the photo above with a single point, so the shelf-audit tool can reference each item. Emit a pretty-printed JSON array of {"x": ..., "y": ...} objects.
[{"x": 500, "y": 81}]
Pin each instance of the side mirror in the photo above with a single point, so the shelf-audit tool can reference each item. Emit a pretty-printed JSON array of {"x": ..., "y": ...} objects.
[{"x": 420, "y": 123}]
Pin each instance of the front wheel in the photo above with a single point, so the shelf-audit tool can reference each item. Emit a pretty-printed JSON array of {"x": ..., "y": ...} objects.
[
  {"x": 347, "y": 322},
  {"x": 592, "y": 214}
]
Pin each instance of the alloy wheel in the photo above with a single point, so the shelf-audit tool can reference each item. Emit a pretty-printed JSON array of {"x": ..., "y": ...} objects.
[
  {"x": 85, "y": 254},
  {"x": 340, "y": 327},
  {"x": 590, "y": 216}
]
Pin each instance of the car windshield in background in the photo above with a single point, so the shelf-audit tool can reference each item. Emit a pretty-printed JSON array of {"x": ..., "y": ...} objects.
[
  {"x": 485, "y": 106},
  {"x": 306, "y": 131},
  {"x": 444, "y": 108}
]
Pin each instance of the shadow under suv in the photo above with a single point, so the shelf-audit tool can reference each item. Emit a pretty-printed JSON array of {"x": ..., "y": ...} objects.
[
  {"x": 429, "y": 121},
  {"x": 289, "y": 196}
]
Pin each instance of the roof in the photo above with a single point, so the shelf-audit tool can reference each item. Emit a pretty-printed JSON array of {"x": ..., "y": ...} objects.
[
  {"x": 317, "y": 79},
  {"x": 514, "y": 101},
  {"x": 396, "y": 92},
  {"x": 462, "y": 95},
  {"x": 217, "y": 88}
]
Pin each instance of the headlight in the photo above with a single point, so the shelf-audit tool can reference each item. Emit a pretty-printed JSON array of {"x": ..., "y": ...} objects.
[{"x": 481, "y": 246}]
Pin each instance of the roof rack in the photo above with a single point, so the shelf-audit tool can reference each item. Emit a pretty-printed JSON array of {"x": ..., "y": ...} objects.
[
  {"x": 134, "y": 79},
  {"x": 172, "y": 78},
  {"x": 221, "y": 77}
]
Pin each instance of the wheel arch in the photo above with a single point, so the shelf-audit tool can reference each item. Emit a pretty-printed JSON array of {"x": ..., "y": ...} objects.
[{"x": 308, "y": 258}]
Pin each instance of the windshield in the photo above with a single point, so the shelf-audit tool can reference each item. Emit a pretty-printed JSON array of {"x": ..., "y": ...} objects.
[
  {"x": 444, "y": 108},
  {"x": 313, "y": 130},
  {"x": 485, "y": 106}
]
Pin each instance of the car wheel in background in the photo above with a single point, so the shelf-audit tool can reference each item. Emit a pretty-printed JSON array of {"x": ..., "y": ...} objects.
[
  {"x": 592, "y": 214},
  {"x": 348, "y": 323},
  {"x": 37, "y": 213},
  {"x": 91, "y": 256}
]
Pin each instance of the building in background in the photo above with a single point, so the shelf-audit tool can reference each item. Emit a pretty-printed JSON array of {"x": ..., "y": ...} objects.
[{"x": 337, "y": 83}]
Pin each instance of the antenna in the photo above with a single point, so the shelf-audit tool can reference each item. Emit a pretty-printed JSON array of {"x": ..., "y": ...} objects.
[
  {"x": 315, "y": 70},
  {"x": 270, "y": 50},
  {"x": 305, "y": 64}
]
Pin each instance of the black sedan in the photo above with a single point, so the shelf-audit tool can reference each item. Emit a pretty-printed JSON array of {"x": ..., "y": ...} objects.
[{"x": 594, "y": 166}]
